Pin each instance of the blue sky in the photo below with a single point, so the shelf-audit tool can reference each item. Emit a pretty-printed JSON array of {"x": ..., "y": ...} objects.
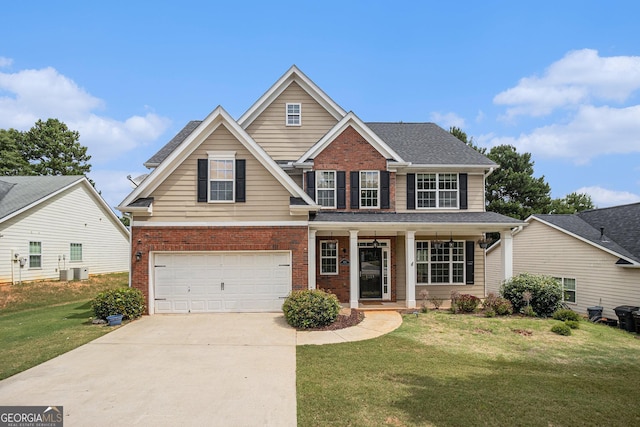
[{"x": 558, "y": 79}]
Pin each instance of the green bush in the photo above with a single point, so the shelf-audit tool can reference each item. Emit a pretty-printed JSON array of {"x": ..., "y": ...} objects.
[
  {"x": 529, "y": 311},
  {"x": 573, "y": 324},
  {"x": 465, "y": 303},
  {"x": 561, "y": 329},
  {"x": 500, "y": 306},
  {"x": 310, "y": 308},
  {"x": 126, "y": 301},
  {"x": 545, "y": 293},
  {"x": 566, "y": 314},
  {"x": 489, "y": 312}
]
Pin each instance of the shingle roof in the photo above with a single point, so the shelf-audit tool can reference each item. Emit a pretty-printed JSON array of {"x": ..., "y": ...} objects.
[
  {"x": 427, "y": 144},
  {"x": 18, "y": 192},
  {"x": 621, "y": 228},
  {"x": 419, "y": 217},
  {"x": 165, "y": 151}
]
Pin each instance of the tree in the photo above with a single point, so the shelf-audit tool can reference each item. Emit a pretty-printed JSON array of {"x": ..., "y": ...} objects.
[
  {"x": 462, "y": 136},
  {"x": 12, "y": 158},
  {"x": 511, "y": 189},
  {"x": 52, "y": 149},
  {"x": 571, "y": 203}
]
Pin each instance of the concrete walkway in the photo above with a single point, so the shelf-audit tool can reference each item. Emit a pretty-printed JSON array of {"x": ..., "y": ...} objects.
[{"x": 375, "y": 324}]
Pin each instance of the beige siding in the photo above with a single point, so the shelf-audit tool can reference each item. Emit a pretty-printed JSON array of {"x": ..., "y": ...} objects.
[
  {"x": 475, "y": 194},
  {"x": 494, "y": 270},
  {"x": 70, "y": 217},
  {"x": 176, "y": 197},
  {"x": 283, "y": 142},
  {"x": 540, "y": 249}
]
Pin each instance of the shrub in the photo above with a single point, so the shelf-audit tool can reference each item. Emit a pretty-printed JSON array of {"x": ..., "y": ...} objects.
[
  {"x": 529, "y": 311},
  {"x": 466, "y": 303},
  {"x": 573, "y": 324},
  {"x": 310, "y": 308},
  {"x": 566, "y": 314},
  {"x": 126, "y": 301},
  {"x": 546, "y": 293},
  {"x": 498, "y": 305},
  {"x": 489, "y": 312},
  {"x": 437, "y": 302},
  {"x": 561, "y": 329}
]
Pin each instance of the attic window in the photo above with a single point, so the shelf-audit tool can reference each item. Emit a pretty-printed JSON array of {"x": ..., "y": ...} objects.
[
  {"x": 221, "y": 177},
  {"x": 294, "y": 116}
]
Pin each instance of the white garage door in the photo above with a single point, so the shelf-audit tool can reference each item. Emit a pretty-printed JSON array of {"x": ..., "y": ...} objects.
[{"x": 221, "y": 281}]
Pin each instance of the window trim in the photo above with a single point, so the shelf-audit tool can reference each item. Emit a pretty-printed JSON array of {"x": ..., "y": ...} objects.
[
  {"x": 287, "y": 114},
  {"x": 334, "y": 189},
  {"x": 224, "y": 156},
  {"x": 71, "y": 252},
  {"x": 437, "y": 190},
  {"x": 33, "y": 255},
  {"x": 361, "y": 189},
  {"x": 323, "y": 257},
  {"x": 450, "y": 262},
  {"x": 575, "y": 289}
]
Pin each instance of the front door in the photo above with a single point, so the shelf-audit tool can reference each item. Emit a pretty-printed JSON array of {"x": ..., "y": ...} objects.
[{"x": 370, "y": 273}]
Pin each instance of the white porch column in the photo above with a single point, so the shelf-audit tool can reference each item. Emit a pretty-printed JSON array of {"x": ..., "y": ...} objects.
[
  {"x": 506, "y": 248},
  {"x": 311, "y": 263},
  {"x": 354, "y": 268},
  {"x": 410, "y": 251}
]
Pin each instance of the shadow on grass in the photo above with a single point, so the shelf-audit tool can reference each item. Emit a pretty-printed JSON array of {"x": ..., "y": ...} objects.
[{"x": 82, "y": 311}]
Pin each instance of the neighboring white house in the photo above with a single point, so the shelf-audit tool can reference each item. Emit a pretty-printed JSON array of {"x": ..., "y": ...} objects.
[
  {"x": 53, "y": 223},
  {"x": 595, "y": 254}
]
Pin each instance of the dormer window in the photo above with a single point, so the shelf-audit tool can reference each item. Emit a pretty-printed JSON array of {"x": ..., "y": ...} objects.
[{"x": 294, "y": 114}]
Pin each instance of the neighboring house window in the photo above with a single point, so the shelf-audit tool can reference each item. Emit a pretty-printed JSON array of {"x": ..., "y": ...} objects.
[
  {"x": 326, "y": 188},
  {"x": 35, "y": 254},
  {"x": 221, "y": 178},
  {"x": 75, "y": 252},
  {"x": 568, "y": 289},
  {"x": 437, "y": 190},
  {"x": 441, "y": 263},
  {"x": 294, "y": 114},
  {"x": 328, "y": 257},
  {"x": 369, "y": 189}
]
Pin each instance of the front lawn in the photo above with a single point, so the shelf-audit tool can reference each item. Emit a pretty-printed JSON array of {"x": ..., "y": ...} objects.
[
  {"x": 41, "y": 320},
  {"x": 455, "y": 370}
]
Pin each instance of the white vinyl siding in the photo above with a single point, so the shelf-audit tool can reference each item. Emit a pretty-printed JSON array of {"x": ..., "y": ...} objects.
[
  {"x": 437, "y": 190},
  {"x": 35, "y": 254},
  {"x": 369, "y": 189},
  {"x": 294, "y": 114},
  {"x": 329, "y": 257},
  {"x": 75, "y": 252}
]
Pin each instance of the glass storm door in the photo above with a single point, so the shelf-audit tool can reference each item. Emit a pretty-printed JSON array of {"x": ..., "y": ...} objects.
[{"x": 370, "y": 273}]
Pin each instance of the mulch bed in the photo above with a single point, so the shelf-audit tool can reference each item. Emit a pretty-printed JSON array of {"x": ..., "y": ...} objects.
[{"x": 343, "y": 321}]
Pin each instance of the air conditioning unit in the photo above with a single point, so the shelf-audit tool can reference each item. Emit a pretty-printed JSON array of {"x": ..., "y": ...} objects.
[
  {"x": 81, "y": 273},
  {"x": 66, "y": 275}
]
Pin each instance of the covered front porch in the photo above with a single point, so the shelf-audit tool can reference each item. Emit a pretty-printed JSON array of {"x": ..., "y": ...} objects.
[{"x": 383, "y": 261}]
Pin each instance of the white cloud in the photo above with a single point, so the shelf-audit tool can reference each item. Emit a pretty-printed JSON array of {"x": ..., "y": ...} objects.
[
  {"x": 45, "y": 93},
  {"x": 592, "y": 132},
  {"x": 5, "y": 62},
  {"x": 580, "y": 77},
  {"x": 447, "y": 120},
  {"x": 602, "y": 197}
]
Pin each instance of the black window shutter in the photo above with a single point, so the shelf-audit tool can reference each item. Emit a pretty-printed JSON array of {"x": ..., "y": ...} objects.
[
  {"x": 355, "y": 189},
  {"x": 411, "y": 191},
  {"x": 462, "y": 178},
  {"x": 241, "y": 166},
  {"x": 203, "y": 177},
  {"x": 311, "y": 184},
  {"x": 469, "y": 260},
  {"x": 341, "y": 181},
  {"x": 384, "y": 189}
]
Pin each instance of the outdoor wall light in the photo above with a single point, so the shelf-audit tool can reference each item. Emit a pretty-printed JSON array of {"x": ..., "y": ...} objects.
[
  {"x": 483, "y": 243},
  {"x": 138, "y": 256}
]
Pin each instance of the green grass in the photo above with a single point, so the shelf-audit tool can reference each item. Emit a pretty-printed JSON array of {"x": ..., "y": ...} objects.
[
  {"x": 455, "y": 370},
  {"x": 41, "y": 320}
]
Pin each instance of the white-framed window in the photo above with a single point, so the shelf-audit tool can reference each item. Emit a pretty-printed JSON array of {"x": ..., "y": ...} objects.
[
  {"x": 328, "y": 257},
  {"x": 437, "y": 190},
  {"x": 294, "y": 114},
  {"x": 568, "y": 289},
  {"x": 35, "y": 254},
  {"x": 369, "y": 189},
  {"x": 221, "y": 177},
  {"x": 75, "y": 252},
  {"x": 439, "y": 263},
  {"x": 326, "y": 188}
]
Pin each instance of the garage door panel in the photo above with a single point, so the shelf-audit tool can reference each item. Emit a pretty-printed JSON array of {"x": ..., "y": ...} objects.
[{"x": 192, "y": 282}]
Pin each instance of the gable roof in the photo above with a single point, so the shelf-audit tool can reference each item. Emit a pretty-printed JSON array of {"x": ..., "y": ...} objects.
[
  {"x": 427, "y": 144},
  {"x": 20, "y": 193},
  {"x": 164, "y": 152},
  {"x": 216, "y": 118},
  {"x": 621, "y": 229},
  {"x": 352, "y": 120},
  {"x": 293, "y": 74}
]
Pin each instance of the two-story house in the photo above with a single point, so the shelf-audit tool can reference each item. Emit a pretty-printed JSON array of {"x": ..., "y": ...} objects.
[{"x": 299, "y": 193}]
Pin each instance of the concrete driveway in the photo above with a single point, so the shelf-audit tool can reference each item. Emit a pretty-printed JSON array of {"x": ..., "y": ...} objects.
[{"x": 198, "y": 369}]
